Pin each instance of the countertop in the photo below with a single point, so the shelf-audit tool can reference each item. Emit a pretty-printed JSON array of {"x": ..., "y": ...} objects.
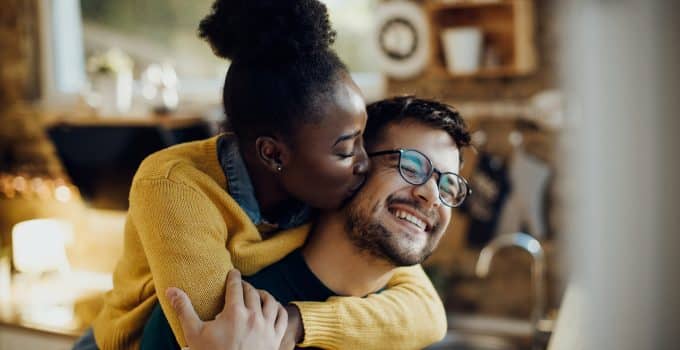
[
  {"x": 168, "y": 122},
  {"x": 568, "y": 332},
  {"x": 61, "y": 304}
]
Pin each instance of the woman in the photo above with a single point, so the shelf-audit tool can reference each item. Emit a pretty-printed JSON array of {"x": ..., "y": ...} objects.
[{"x": 297, "y": 121}]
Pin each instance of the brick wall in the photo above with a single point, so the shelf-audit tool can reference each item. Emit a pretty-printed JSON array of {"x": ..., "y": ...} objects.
[
  {"x": 507, "y": 291},
  {"x": 18, "y": 51}
]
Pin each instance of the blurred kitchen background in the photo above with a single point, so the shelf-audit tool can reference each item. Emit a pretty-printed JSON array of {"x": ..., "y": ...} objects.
[{"x": 567, "y": 241}]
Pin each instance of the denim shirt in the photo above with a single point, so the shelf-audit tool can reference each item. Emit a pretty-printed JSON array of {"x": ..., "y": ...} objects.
[{"x": 241, "y": 189}]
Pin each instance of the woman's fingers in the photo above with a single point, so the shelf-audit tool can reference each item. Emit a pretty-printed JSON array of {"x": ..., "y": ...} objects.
[
  {"x": 251, "y": 298},
  {"x": 234, "y": 292},
  {"x": 191, "y": 324}
]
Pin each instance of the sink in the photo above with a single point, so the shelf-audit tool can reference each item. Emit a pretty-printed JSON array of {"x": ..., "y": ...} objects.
[
  {"x": 479, "y": 332},
  {"x": 465, "y": 341}
]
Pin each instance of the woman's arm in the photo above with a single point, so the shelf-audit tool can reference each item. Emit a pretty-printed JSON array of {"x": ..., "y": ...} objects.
[
  {"x": 408, "y": 314},
  {"x": 183, "y": 236}
]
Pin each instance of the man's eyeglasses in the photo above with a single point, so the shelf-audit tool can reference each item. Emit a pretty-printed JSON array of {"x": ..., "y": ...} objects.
[{"x": 416, "y": 169}]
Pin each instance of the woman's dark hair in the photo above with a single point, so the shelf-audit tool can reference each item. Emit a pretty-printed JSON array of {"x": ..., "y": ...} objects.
[
  {"x": 430, "y": 112},
  {"x": 282, "y": 67}
]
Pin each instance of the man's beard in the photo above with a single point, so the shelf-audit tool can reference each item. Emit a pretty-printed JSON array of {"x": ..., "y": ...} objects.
[{"x": 371, "y": 236}]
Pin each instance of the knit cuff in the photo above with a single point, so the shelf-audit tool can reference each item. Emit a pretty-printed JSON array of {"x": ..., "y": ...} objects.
[{"x": 321, "y": 325}]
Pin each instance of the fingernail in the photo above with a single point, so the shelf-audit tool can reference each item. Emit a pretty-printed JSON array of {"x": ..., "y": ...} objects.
[
  {"x": 169, "y": 292},
  {"x": 174, "y": 302}
]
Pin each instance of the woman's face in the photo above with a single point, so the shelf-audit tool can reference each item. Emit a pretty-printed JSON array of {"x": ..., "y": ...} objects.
[{"x": 328, "y": 162}]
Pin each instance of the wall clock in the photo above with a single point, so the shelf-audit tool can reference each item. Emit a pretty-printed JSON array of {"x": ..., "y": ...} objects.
[{"x": 402, "y": 38}]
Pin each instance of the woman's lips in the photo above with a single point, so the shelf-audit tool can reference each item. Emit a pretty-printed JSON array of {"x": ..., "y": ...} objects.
[{"x": 358, "y": 185}]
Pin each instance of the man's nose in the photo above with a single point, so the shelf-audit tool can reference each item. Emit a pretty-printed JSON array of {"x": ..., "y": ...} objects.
[
  {"x": 361, "y": 164},
  {"x": 428, "y": 193}
]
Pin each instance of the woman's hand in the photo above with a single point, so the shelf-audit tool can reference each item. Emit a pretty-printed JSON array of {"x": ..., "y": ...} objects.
[
  {"x": 294, "y": 331},
  {"x": 251, "y": 319}
]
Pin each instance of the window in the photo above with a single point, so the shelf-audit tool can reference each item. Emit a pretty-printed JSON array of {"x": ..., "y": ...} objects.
[
  {"x": 152, "y": 31},
  {"x": 63, "y": 73},
  {"x": 166, "y": 30},
  {"x": 354, "y": 20}
]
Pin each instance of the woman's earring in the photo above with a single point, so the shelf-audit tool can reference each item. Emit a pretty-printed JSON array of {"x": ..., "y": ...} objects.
[{"x": 279, "y": 168}]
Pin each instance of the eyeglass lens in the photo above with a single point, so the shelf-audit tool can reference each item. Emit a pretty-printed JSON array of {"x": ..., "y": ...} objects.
[{"x": 416, "y": 169}]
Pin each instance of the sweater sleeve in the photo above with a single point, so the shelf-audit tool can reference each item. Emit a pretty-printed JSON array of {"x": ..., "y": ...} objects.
[
  {"x": 184, "y": 244},
  {"x": 408, "y": 314}
]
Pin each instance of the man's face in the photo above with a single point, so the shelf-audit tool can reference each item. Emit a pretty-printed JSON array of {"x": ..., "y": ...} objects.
[{"x": 391, "y": 218}]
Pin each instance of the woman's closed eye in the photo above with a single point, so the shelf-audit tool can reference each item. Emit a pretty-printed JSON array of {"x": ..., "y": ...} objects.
[
  {"x": 348, "y": 149},
  {"x": 346, "y": 155},
  {"x": 346, "y": 146}
]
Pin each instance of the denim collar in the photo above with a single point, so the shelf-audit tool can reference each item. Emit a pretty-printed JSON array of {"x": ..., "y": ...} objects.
[{"x": 241, "y": 188}]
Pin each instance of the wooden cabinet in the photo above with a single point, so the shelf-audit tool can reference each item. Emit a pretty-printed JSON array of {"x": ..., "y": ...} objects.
[
  {"x": 508, "y": 45},
  {"x": 101, "y": 155}
]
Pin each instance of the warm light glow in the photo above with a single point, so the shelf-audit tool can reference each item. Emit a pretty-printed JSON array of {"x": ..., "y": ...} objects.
[
  {"x": 5, "y": 280},
  {"x": 19, "y": 184},
  {"x": 38, "y": 245},
  {"x": 62, "y": 193}
]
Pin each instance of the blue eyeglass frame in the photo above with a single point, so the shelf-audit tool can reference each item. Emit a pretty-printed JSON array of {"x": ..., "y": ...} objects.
[{"x": 400, "y": 151}]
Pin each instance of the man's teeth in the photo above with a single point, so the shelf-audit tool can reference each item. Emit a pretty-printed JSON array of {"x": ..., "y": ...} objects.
[{"x": 410, "y": 218}]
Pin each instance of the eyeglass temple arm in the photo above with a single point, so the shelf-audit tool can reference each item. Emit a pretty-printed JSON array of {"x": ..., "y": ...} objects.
[{"x": 380, "y": 153}]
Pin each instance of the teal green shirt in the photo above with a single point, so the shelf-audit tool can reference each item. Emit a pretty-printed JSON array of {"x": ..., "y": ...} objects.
[{"x": 289, "y": 279}]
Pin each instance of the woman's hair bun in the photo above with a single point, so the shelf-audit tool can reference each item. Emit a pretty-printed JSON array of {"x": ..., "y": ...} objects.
[{"x": 267, "y": 30}]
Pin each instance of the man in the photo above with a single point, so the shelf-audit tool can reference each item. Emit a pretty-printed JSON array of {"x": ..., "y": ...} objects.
[{"x": 395, "y": 221}]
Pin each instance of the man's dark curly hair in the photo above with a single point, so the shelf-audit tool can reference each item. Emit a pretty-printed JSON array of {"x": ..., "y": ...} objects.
[
  {"x": 282, "y": 67},
  {"x": 430, "y": 112}
]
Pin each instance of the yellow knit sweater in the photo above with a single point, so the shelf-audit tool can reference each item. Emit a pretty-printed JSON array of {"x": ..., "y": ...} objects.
[{"x": 184, "y": 230}]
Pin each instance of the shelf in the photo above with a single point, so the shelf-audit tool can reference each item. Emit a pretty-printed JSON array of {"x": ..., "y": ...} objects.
[
  {"x": 508, "y": 29},
  {"x": 438, "y": 5},
  {"x": 485, "y": 73},
  {"x": 175, "y": 121}
]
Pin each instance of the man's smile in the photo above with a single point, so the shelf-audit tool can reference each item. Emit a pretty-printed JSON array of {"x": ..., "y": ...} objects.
[{"x": 411, "y": 217}]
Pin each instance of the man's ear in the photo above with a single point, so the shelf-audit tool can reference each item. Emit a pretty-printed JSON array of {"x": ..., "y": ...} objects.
[{"x": 272, "y": 152}]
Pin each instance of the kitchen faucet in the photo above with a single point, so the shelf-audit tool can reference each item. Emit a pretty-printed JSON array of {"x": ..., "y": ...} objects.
[{"x": 533, "y": 247}]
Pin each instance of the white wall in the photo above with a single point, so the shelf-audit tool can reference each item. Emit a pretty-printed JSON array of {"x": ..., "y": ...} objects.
[{"x": 622, "y": 77}]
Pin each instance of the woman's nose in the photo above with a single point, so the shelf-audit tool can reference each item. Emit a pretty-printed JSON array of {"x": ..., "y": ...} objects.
[{"x": 361, "y": 164}]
